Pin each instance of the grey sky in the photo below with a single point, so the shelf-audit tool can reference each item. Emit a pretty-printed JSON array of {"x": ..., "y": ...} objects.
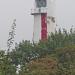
[{"x": 21, "y": 9}]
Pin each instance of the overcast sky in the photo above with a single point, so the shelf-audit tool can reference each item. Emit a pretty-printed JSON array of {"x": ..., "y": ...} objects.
[{"x": 21, "y": 9}]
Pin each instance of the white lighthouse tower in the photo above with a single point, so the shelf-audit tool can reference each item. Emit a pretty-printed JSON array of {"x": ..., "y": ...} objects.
[{"x": 44, "y": 19}]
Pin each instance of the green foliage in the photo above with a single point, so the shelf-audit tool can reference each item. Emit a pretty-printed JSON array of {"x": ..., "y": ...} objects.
[
  {"x": 54, "y": 46},
  {"x": 41, "y": 48},
  {"x": 54, "y": 56},
  {"x": 6, "y": 67},
  {"x": 43, "y": 66},
  {"x": 23, "y": 53},
  {"x": 61, "y": 62},
  {"x": 66, "y": 59}
]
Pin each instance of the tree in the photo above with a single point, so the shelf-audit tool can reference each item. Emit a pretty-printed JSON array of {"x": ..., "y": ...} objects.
[
  {"x": 6, "y": 67},
  {"x": 42, "y": 66},
  {"x": 23, "y": 53}
]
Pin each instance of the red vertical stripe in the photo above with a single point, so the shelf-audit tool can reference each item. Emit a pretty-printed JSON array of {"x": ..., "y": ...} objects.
[{"x": 43, "y": 26}]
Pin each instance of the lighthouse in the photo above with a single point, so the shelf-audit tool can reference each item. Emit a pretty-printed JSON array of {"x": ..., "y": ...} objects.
[{"x": 44, "y": 19}]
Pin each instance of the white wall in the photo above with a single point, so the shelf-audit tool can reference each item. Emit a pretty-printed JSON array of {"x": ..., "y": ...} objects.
[
  {"x": 50, "y": 13},
  {"x": 51, "y": 7},
  {"x": 37, "y": 28},
  {"x": 51, "y": 27}
]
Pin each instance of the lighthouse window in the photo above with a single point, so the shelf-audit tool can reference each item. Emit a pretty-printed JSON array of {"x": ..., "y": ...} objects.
[{"x": 41, "y": 3}]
